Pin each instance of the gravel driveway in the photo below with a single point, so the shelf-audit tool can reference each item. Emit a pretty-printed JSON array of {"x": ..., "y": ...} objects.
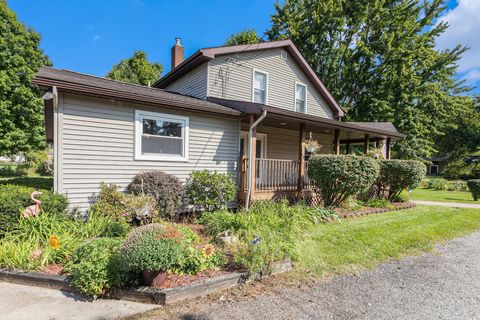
[{"x": 443, "y": 285}]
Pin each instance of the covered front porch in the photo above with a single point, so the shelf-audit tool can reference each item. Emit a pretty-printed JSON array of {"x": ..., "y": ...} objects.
[{"x": 276, "y": 145}]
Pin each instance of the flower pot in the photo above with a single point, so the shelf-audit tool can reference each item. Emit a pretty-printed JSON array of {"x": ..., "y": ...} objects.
[
  {"x": 154, "y": 278},
  {"x": 310, "y": 149}
]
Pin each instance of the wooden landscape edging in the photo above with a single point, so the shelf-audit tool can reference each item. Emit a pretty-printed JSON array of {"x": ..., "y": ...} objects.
[
  {"x": 364, "y": 212},
  {"x": 142, "y": 294}
]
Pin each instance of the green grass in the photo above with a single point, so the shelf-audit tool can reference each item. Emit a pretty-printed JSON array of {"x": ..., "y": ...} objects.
[
  {"x": 349, "y": 245},
  {"x": 45, "y": 183},
  {"x": 440, "y": 195}
]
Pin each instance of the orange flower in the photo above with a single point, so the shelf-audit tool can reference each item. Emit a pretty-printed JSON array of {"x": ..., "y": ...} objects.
[
  {"x": 54, "y": 242},
  {"x": 208, "y": 250}
]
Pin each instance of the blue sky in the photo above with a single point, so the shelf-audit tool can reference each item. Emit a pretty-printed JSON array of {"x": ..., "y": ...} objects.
[{"x": 90, "y": 36}]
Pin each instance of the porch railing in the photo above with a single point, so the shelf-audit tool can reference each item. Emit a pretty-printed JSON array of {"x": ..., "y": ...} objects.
[{"x": 274, "y": 175}]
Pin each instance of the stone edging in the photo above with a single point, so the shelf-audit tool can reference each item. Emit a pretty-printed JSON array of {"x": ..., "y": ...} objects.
[
  {"x": 364, "y": 212},
  {"x": 142, "y": 294}
]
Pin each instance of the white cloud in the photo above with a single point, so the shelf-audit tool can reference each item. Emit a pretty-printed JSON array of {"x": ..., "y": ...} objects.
[
  {"x": 464, "y": 29},
  {"x": 96, "y": 37}
]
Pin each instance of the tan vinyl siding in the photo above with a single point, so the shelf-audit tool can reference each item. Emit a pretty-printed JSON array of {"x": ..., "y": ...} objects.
[
  {"x": 283, "y": 143},
  {"x": 192, "y": 84},
  {"x": 230, "y": 77},
  {"x": 97, "y": 144}
]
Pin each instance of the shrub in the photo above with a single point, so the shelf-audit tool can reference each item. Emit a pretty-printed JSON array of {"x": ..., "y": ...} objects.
[
  {"x": 8, "y": 169},
  {"x": 95, "y": 266},
  {"x": 397, "y": 175},
  {"x": 267, "y": 232},
  {"x": 210, "y": 190},
  {"x": 13, "y": 199},
  {"x": 152, "y": 248},
  {"x": 166, "y": 189},
  {"x": 338, "y": 177},
  {"x": 110, "y": 202},
  {"x": 46, "y": 168},
  {"x": 474, "y": 187},
  {"x": 457, "y": 186},
  {"x": 437, "y": 184},
  {"x": 377, "y": 203},
  {"x": 33, "y": 161}
]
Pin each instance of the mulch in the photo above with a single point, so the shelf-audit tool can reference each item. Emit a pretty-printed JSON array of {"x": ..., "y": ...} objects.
[
  {"x": 347, "y": 214},
  {"x": 175, "y": 280}
]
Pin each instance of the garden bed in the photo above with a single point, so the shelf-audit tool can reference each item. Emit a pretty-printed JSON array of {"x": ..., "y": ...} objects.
[
  {"x": 177, "y": 288},
  {"x": 346, "y": 214}
]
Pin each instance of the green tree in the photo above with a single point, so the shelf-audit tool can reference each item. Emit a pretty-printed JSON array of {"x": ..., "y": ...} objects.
[
  {"x": 136, "y": 69},
  {"x": 21, "y": 105},
  {"x": 378, "y": 59},
  {"x": 248, "y": 36}
]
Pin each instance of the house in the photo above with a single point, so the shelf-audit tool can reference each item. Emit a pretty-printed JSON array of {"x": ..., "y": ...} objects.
[
  {"x": 437, "y": 164},
  {"x": 248, "y": 110}
]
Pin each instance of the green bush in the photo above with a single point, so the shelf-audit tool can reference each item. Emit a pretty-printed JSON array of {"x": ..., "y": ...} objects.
[
  {"x": 8, "y": 169},
  {"x": 338, "y": 177},
  {"x": 152, "y": 248},
  {"x": 267, "y": 232},
  {"x": 437, "y": 184},
  {"x": 33, "y": 161},
  {"x": 377, "y": 203},
  {"x": 136, "y": 209},
  {"x": 208, "y": 190},
  {"x": 167, "y": 190},
  {"x": 474, "y": 187},
  {"x": 457, "y": 186},
  {"x": 398, "y": 175},
  {"x": 95, "y": 266},
  {"x": 46, "y": 168},
  {"x": 14, "y": 199}
]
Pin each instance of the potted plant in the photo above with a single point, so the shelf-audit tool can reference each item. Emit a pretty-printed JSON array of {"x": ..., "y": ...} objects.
[
  {"x": 152, "y": 250},
  {"x": 311, "y": 146}
]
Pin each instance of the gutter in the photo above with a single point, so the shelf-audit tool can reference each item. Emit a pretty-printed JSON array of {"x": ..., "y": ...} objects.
[{"x": 249, "y": 173}]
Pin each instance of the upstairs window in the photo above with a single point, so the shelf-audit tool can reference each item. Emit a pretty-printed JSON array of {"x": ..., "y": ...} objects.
[
  {"x": 160, "y": 136},
  {"x": 300, "y": 97},
  {"x": 260, "y": 87}
]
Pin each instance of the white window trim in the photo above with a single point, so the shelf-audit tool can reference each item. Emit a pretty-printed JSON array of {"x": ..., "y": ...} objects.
[
  {"x": 295, "y": 96},
  {"x": 253, "y": 84},
  {"x": 139, "y": 114},
  {"x": 260, "y": 136}
]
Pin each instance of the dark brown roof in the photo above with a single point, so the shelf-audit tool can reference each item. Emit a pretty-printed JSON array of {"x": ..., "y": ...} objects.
[
  {"x": 377, "y": 128},
  {"x": 69, "y": 81},
  {"x": 385, "y": 126},
  {"x": 207, "y": 54}
]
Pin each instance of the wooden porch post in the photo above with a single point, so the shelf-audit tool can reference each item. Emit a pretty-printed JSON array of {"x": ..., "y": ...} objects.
[
  {"x": 301, "y": 157},
  {"x": 252, "y": 160},
  {"x": 336, "y": 141},
  {"x": 366, "y": 144},
  {"x": 388, "y": 152},
  {"x": 347, "y": 147}
]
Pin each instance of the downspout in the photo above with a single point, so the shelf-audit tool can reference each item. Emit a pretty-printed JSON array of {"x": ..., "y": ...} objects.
[{"x": 249, "y": 173}]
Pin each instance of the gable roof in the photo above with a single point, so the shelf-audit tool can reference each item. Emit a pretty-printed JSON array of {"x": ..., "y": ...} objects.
[
  {"x": 69, "y": 81},
  {"x": 385, "y": 126},
  {"x": 206, "y": 54}
]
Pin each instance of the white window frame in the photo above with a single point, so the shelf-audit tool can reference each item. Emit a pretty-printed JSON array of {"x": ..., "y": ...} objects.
[
  {"x": 295, "y": 96},
  {"x": 140, "y": 115},
  {"x": 253, "y": 84}
]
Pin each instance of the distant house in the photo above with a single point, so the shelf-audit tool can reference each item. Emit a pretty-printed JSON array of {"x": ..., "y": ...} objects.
[
  {"x": 437, "y": 164},
  {"x": 249, "y": 110}
]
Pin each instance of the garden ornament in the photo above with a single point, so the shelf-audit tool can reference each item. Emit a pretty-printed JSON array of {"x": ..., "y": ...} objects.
[{"x": 34, "y": 209}]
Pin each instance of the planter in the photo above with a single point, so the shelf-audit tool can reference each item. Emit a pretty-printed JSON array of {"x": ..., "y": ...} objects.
[{"x": 154, "y": 278}]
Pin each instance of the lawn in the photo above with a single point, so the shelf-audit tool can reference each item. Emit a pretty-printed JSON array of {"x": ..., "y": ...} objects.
[
  {"x": 440, "y": 195},
  {"x": 349, "y": 245}
]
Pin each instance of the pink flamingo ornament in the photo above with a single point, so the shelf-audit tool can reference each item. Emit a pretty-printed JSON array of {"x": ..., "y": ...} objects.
[{"x": 34, "y": 209}]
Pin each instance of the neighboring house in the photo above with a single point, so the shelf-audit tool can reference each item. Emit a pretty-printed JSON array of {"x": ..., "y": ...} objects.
[
  {"x": 203, "y": 114},
  {"x": 437, "y": 164}
]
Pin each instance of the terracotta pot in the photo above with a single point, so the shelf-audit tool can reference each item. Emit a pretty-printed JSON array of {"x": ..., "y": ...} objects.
[{"x": 154, "y": 278}]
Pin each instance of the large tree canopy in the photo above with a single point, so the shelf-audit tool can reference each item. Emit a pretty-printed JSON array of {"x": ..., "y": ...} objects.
[
  {"x": 378, "y": 58},
  {"x": 248, "y": 36},
  {"x": 21, "y": 106},
  {"x": 136, "y": 69}
]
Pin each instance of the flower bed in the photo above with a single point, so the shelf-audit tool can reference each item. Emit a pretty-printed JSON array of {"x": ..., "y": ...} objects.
[{"x": 346, "y": 214}]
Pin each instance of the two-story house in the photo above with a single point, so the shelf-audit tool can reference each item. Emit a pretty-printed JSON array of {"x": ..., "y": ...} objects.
[{"x": 248, "y": 110}]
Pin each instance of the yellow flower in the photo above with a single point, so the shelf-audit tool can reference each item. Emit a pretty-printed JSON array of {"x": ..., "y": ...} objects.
[
  {"x": 54, "y": 242},
  {"x": 208, "y": 250}
]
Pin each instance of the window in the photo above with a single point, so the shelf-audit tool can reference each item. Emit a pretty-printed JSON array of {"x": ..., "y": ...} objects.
[
  {"x": 260, "y": 87},
  {"x": 300, "y": 97},
  {"x": 160, "y": 136}
]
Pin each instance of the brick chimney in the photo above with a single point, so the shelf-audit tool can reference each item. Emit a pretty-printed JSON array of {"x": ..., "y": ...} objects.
[{"x": 177, "y": 53}]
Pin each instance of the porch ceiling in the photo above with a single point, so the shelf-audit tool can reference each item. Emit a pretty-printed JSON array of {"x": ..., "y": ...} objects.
[{"x": 280, "y": 118}]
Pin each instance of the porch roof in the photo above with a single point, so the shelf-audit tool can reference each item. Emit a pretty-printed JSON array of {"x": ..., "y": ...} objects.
[{"x": 352, "y": 132}]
